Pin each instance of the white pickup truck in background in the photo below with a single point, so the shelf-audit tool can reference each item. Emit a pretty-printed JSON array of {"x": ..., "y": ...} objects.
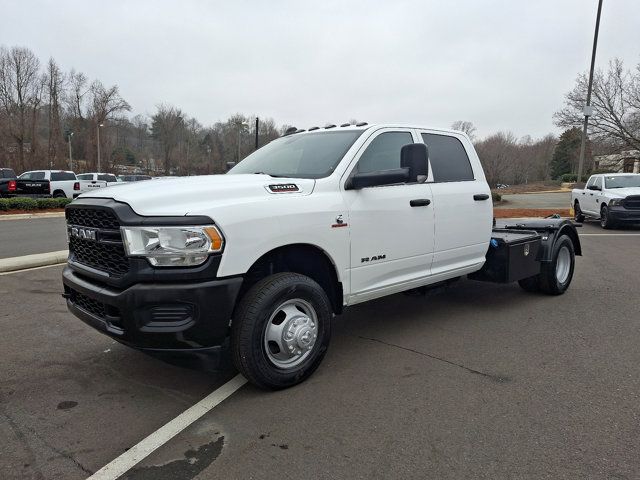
[
  {"x": 263, "y": 257},
  {"x": 613, "y": 198},
  {"x": 110, "y": 178},
  {"x": 63, "y": 183}
]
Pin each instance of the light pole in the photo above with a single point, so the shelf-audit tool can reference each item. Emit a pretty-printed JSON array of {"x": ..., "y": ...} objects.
[
  {"x": 98, "y": 135},
  {"x": 70, "y": 158},
  {"x": 257, "y": 125},
  {"x": 588, "y": 109},
  {"x": 241, "y": 126}
]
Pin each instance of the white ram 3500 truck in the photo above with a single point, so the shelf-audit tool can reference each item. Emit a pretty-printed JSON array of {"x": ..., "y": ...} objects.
[
  {"x": 613, "y": 198},
  {"x": 263, "y": 257}
]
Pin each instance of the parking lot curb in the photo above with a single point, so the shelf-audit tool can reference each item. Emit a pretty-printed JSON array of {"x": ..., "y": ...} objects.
[
  {"x": 26, "y": 216},
  {"x": 32, "y": 261}
]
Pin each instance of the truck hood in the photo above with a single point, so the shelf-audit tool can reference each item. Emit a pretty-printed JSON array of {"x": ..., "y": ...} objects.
[
  {"x": 180, "y": 196},
  {"x": 624, "y": 192}
]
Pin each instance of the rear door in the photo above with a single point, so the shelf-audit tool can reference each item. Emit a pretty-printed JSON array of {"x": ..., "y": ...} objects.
[
  {"x": 461, "y": 202},
  {"x": 391, "y": 240}
]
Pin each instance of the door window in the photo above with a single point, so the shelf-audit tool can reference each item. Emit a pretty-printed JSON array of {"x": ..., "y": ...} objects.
[
  {"x": 448, "y": 158},
  {"x": 383, "y": 153},
  {"x": 598, "y": 183}
]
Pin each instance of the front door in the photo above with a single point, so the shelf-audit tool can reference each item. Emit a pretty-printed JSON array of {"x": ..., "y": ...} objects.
[{"x": 391, "y": 240}]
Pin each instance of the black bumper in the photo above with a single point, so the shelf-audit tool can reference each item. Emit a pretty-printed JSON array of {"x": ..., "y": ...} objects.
[{"x": 172, "y": 316}]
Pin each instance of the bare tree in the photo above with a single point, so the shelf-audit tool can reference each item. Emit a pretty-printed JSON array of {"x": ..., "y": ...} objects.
[
  {"x": 106, "y": 103},
  {"x": 616, "y": 105},
  {"x": 497, "y": 154},
  {"x": 55, "y": 88},
  {"x": 465, "y": 126},
  {"x": 75, "y": 97},
  {"x": 20, "y": 95},
  {"x": 166, "y": 128}
]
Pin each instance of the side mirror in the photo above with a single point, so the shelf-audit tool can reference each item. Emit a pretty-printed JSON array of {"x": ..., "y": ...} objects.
[
  {"x": 375, "y": 179},
  {"x": 415, "y": 157},
  {"x": 594, "y": 187}
]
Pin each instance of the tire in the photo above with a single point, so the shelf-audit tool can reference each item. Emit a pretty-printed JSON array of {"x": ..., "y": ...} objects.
[
  {"x": 294, "y": 310},
  {"x": 59, "y": 194},
  {"x": 555, "y": 276},
  {"x": 605, "y": 219},
  {"x": 578, "y": 216}
]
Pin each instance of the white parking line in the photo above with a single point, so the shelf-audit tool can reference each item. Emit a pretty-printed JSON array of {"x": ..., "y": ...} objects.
[{"x": 139, "y": 452}]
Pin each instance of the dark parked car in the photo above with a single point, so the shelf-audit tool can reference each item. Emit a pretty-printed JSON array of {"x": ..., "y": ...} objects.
[{"x": 11, "y": 186}]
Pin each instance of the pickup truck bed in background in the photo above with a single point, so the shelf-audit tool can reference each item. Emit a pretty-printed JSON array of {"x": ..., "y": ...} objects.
[{"x": 10, "y": 186}]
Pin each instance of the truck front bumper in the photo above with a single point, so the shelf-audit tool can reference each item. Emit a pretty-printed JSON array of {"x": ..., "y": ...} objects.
[{"x": 156, "y": 316}]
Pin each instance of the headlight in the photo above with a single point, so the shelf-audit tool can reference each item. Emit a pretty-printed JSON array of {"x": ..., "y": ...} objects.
[
  {"x": 616, "y": 202},
  {"x": 172, "y": 246}
]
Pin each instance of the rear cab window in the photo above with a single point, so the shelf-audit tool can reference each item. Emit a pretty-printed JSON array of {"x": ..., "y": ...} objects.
[
  {"x": 448, "y": 158},
  {"x": 59, "y": 176},
  {"x": 85, "y": 176},
  {"x": 107, "y": 178}
]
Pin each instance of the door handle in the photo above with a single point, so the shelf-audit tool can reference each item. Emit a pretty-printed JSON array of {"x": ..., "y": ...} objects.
[
  {"x": 480, "y": 196},
  {"x": 420, "y": 202}
]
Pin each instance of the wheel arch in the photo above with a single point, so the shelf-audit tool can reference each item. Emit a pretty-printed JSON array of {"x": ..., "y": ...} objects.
[
  {"x": 303, "y": 258},
  {"x": 571, "y": 232}
]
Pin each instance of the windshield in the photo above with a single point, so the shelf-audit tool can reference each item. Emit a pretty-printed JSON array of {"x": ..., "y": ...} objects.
[
  {"x": 622, "y": 181},
  {"x": 310, "y": 155}
]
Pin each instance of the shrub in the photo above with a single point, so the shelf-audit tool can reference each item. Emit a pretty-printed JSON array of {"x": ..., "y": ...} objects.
[
  {"x": 572, "y": 178},
  {"x": 47, "y": 203},
  {"x": 19, "y": 203},
  {"x": 496, "y": 196}
]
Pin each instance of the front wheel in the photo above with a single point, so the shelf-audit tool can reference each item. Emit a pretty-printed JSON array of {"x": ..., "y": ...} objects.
[
  {"x": 578, "y": 216},
  {"x": 605, "y": 218},
  {"x": 281, "y": 330}
]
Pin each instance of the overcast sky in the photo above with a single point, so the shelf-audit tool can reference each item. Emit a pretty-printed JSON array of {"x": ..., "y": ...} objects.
[{"x": 502, "y": 64}]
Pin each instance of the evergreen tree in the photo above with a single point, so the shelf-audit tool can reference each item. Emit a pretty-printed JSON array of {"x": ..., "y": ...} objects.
[{"x": 566, "y": 153}]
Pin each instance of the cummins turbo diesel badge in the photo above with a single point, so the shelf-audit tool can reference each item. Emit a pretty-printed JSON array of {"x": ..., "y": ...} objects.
[{"x": 284, "y": 187}]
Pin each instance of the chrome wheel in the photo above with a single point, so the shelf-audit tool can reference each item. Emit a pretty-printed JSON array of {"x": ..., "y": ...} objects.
[
  {"x": 291, "y": 333},
  {"x": 563, "y": 265}
]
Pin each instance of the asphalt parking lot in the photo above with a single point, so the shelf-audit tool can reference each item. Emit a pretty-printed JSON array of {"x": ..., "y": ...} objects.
[
  {"x": 479, "y": 381},
  {"x": 35, "y": 235}
]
